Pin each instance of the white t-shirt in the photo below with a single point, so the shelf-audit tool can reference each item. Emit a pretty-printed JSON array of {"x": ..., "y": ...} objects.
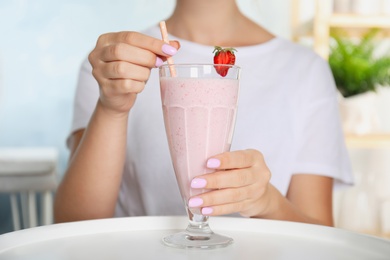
[{"x": 287, "y": 109}]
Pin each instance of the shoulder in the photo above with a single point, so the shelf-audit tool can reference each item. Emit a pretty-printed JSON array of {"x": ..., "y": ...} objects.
[
  {"x": 282, "y": 52},
  {"x": 304, "y": 63},
  {"x": 298, "y": 53},
  {"x": 279, "y": 56}
]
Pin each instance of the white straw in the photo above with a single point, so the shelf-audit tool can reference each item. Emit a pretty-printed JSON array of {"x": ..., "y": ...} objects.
[{"x": 164, "y": 34}]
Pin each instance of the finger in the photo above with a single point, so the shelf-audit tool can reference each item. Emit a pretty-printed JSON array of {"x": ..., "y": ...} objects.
[
  {"x": 236, "y": 159},
  {"x": 124, "y": 70},
  {"x": 122, "y": 86},
  {"x": 246, "y": 208},
  {"x": 131, "y": 54},
  {"x": 226, "y": 179},
  {"x": 140, "y": 40},
  {"x": 226, "y": 196},
  {"x": 225, "y": 209},
  {"x": 175, "y": 44}
]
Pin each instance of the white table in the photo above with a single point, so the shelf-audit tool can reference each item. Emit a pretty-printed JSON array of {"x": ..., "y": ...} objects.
[{"x": 140, "y": 238}]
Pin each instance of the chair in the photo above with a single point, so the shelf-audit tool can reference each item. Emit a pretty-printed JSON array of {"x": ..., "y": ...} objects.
[{"x": 24, "y": 173}]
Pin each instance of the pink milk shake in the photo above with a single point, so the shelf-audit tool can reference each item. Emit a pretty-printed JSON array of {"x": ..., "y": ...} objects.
[{"x": 199, "y": 115}]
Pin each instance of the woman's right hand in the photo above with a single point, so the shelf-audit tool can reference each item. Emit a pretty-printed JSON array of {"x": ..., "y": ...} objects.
[{"x": 121, "y": 65}]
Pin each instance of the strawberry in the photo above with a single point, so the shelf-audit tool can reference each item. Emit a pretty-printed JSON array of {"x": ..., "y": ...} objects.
[{"x": 223, "y": 56}]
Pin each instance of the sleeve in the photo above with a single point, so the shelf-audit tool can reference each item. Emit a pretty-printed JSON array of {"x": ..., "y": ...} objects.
[
  {"x": 86, "y": 96},
  {"x": 319, "y": 141}
]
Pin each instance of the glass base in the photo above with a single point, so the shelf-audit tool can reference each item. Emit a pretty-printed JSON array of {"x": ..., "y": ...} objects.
[
  {"x": 186, "y": 240},
  {"x": 198, "y": 235}
]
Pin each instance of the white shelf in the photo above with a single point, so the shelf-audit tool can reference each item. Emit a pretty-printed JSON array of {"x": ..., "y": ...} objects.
[
  {"x": 359, "y": 21},
  {"x": 367, "y": 141},
  {"x": 324, "y": 20}
]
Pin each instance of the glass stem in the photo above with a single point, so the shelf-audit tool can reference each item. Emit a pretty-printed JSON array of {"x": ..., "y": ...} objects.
[{"x": 198, "y": 224}]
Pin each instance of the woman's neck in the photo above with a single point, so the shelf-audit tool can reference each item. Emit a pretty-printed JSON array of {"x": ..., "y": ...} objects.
[{"x": 213, "y": 22}]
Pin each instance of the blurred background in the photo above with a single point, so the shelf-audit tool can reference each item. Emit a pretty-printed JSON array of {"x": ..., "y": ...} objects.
[{"x": 43, "y": 43}]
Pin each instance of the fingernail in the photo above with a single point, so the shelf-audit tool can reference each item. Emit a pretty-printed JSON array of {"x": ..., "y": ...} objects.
[
  {"x": 207, "y": 211},
  {"x": 213, "y": 163},
  {"x": 159, "y": 62},
  {"x": 198, "y": 183},
  {"x": 195, "y": 202},
  {"x": 168, "y": 49}
]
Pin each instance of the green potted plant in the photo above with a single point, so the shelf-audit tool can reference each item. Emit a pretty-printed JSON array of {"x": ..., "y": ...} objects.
[
  {"x": 355, "y": 68},
  {"x": 358, "y": 72}
]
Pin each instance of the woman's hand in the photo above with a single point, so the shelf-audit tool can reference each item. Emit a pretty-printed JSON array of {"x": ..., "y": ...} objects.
[
  {"x": 240, "y": 184},
  {"x": 121, "y": 65}
]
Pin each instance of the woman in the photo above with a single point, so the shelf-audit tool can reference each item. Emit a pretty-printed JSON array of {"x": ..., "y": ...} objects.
[{"x": 288, "y": 147}]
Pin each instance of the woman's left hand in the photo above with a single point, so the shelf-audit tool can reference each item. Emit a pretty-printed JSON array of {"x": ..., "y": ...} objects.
[{"x": 239, "y": 184}]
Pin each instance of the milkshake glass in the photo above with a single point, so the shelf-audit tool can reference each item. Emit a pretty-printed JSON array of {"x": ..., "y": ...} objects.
[{"x": 199, "y": 108}]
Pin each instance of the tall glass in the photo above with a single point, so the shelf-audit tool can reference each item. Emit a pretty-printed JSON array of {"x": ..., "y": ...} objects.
[{"x": 199, "y": 107}]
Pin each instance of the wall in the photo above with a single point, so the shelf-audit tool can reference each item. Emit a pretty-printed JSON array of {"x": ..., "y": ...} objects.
[{"x": 43, "y": 43}]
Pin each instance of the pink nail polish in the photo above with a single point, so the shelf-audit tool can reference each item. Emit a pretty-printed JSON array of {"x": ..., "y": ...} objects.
[
  {"x": 195, "y": 202},
  {"x": 207, "y": 211},
  {"x": 213, "y": 163},
  {"x": 168, "y": 49},
  {"x": 159, "y": 62},
  {"x": 198, "y": 183}
]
